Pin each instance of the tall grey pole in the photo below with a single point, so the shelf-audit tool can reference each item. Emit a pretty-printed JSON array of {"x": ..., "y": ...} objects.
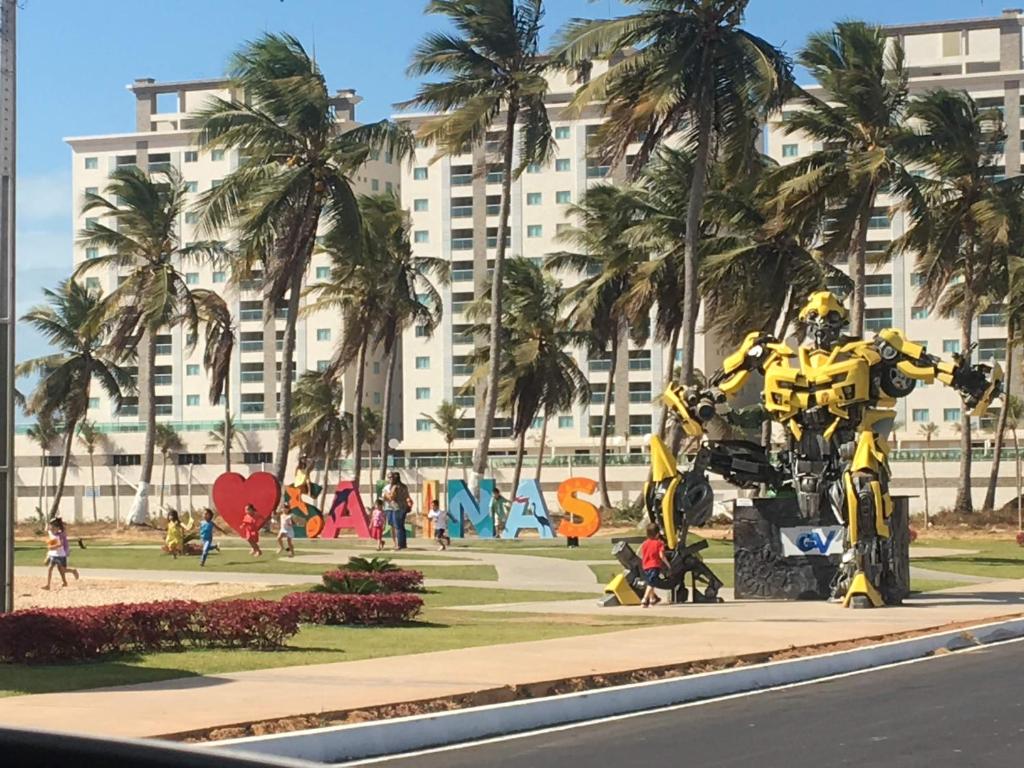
[{"x": 8, "y": 123}]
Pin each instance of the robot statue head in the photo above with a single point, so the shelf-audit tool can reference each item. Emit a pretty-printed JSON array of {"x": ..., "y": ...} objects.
[{"x": 824, "y": 315}]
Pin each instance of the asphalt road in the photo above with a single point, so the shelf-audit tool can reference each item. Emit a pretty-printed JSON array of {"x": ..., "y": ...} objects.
[{"x": 961, "y": 710}]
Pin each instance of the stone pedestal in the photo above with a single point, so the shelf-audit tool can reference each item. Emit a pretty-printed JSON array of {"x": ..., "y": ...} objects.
[{"x": 778, "y": 555}]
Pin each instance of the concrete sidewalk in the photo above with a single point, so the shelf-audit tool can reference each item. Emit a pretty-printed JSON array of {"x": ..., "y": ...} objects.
[{"x": 730, "y": 629}]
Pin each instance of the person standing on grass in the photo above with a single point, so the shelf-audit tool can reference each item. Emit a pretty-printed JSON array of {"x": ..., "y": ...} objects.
[
  {"x": 63, "y": 533},
  {"x": 652, "y": 558},
  {"x": 286, "y": 532},
  {"x": 498, "y": 512},
  {"x": 397, "y": 499},
  {"x": 251, "y": 530},
  {"x": 439, "y": 520},
  {"x": 206, "y": 528},
  {"x": 56, "y": 554},
  {"x": 175, "y": 539},
  {"x": 377, "y": 523}
]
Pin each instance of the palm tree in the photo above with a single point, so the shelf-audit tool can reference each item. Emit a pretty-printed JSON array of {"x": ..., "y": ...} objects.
[
  {"x": 695, "y": 71},
  {"x": 168, "y": 441},
  {"x": 296, "y": 174},
  {"x": 408, "y": 290},
  {"x": 321, "y": 429},
  {"x": 44, "y": 434},
  {"x": 539, "y": 374},
  {"x": 91, "y": 438},
  {"x": 219, "y": 346},
  {"x": 446, "y": 422},
  {"x": 372, "y": 422},
  {"x": 602, "y": 303},
  {"x": 143, "y": 245},
  {"x": 928, "y": 432},
  {"x": 68, "y": 323},
  {"x": 225, "y": 436},
  {"x": 859, "y": 121},
  {"x": 1014, "y": 414},
  {"x": 955, "y": 217},
  {"x": 495, "y": 73}
]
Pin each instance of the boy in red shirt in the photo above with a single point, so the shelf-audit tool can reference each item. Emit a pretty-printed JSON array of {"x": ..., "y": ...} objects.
[{"x": 652, "y": 558}]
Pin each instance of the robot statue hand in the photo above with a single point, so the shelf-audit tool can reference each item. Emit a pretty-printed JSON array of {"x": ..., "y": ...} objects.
[{"x": 978, "y": 384}]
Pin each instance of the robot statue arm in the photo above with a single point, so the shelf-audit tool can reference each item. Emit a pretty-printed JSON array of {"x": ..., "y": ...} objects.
[
  {"x": 908, "y": 362},
  {"x": 695, "y": 406}
]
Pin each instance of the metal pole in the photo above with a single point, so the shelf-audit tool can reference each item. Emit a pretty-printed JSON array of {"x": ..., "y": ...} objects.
[{"x": 7, "y": 304}]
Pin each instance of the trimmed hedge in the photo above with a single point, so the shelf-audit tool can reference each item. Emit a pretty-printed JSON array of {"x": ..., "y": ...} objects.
[
  {"x": 345, "y": 582},
  {"x": 325, "y": 608}
]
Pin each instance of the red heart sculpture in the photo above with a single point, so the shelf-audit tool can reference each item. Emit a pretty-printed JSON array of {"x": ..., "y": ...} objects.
[{"x": 232, "y": 492}]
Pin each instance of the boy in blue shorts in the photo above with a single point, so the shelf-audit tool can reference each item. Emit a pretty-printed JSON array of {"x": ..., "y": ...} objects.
[{"x": 206, "y": 528}]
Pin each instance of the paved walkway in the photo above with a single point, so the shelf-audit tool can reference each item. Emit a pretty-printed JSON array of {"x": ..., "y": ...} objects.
[{"x": 727, "y": 629}]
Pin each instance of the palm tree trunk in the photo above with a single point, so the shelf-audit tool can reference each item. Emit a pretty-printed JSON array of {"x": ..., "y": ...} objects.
[
  {"x": 964, "y": 502},
  {"x": 284, "y": 413},
  {"x": 695, "y": 205},
  {"x": 65, "y": 460},
  {"x": 859, "y": 252},
  {"x": 163, "y": 479},
  {"x": 139, "y": 512},
  {"x": 42, "y": 480},
  {"x": 924, "y": 482},
  {"x": 673, "y": 345},
  {"x": 92, "y": 481},
  {"x": 602, "y": 459},
  {"x": 357, "y": 415},
  {"x": 997, "y": 452},
  {"x": 227, "y": 427},
  {"x": 543, "y": 440},
  {"x": 1020, "y": 502},
  {"x": 517, "y": 474},
  {"x": 385, "y": 427},
  {"x": 497, "y": 286},
  {"x": 447, "y": 464}
]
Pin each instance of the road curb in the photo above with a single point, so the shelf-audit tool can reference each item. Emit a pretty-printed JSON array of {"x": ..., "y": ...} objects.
[{"x": 407, "y": 734}]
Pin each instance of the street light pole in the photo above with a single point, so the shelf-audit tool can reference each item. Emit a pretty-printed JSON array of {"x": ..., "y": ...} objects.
[{"x": 8, "y": 10}]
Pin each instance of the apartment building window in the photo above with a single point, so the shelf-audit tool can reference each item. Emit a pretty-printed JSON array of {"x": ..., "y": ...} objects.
[
  {"x": 126, "y": 459},
  {"x": 124, "y": 160},
  {"x": 493, "y": 205},
  {"x": 375, "y": 185},
  {"x": 877, "y": 319},
  {"x": 422, "y": 393},
  {"x": 565, "y": 422},
  {"x": 951, "y": 43},
  {"x": 322, "y": 273},
  {"x": 951, "y": 346},
  {"x": 597, "y": 395},
  {"x": 94, "y": 403},
  {"x": 878, "y": 285},
  {"x": 534, "y": 198},
  {"x": 218, "y": 277},
  {"x": 595, "y": 425},
  {"x": 191, "y": 370},
  {"x": 462, "y": 240},
  {"x": 250, "y": 311},
  {"x": 192, "y": 400},
  {"x": 495, "y": 174},
  {"x": 419, "y": 174},
  {"x": 191, "y": 186},
  {"x": 992, "y": 349},
  {"x": 251, "y": 373},
  {"x": 461, "y": 175},
  {"x": 563, "y": 164},
  {"x": 323, "y": 334},
  {"x": 422, "y": 331},
  {"x": 92, "y": 223},
  {"x": 388, "y": 187},
  {"x": 790, "y": 150},
  {"x": 461, "y": 207},
  {"x": 920, "y": 415},
  {"x": 191, "y": 156},
  {"x": 562, "y": 132},
  {"x": 597, "y": 168},
  {"x": 919, "y": 313},
  {"x": 639, "y": 391},
  {"x": 422, "y": 363},
  {"x": 92, "y": 190},
  {"x": 533, "y": 168},
  {"x": 92, "y": 163},
  {"x": 216, "y": 183},
  {"x": 424, "y": 425},
  {"x": 639, "y": 424},
  {"x": 322, "y": 365},
  {"x": 252, "y": 402},
  {"x": 563, "y": 197},
  {"x": 421, "y": 236},
  {"x": 191, "y": 278},
  {"x": 993, "y": 317},
  {"x": 129, "y": 407},
  {"x": 216, "y": 155},
  {"x": 466, "y": 429},
  {"x": 916, "y": 279},
  {"x": 461, "y": 271},
  {"x": 951, "y": 414},
  {"x": 421, "y": 205},
  {"x": 257, "y": 458},
  {"x": 640, "y": 360},
  {"x": 164, "y": 406},
  {"x": 534, "y": 230},
  {"x": 879, "y": 219},
  {"x": 92, "y": 283},
  {"x": 462, "y": 366},
  {"x": 376, "y": 367},
  {"x": 376, "y": 398},
  {"x": 251, "y": 341},
  {"x": 191, "y": 217}
]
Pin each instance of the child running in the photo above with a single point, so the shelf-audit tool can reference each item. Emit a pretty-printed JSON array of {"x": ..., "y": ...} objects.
[
  {"x": 652, "y": 557},
  {"x": 377, "y": 523},
  {"x": 251, "y": 530},
  {"x": 206, "y": 528},
  {"x": 63, "y": 533},
  {"x": 175, "y": 540},
  {"x": 287, "y": 532},
  {"x": 56, "y": 553},
  {"x": 439, "y": 520}
]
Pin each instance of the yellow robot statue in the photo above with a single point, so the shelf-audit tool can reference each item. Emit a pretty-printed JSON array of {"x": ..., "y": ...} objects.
[{"x": 835, "y": 397}]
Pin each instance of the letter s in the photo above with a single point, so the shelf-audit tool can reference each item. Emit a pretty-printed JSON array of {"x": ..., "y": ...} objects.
[{"x": 589, "y": 515}]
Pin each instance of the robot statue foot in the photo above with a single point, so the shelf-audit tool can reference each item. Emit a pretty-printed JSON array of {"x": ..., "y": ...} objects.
[{"x": 862, "y": 593}]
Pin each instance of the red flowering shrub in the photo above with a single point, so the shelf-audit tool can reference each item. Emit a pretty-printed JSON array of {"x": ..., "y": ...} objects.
[
  {"x": 1020, "y": 538},
  {"x": 321, "y": 608},
  {"x": 372, "y": 582},
  {"x": 247, "y": 623}
]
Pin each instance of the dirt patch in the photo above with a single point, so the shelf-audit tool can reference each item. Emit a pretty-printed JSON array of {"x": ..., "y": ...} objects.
[
  {"x": 29, "y": 592},
  {"x": 510, "y": 693}
]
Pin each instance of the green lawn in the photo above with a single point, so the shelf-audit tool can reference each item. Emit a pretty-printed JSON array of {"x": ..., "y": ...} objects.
[
  {"x": 993, "y": 559},
  {"x": 437, "y": 629},
  {"x": 933, "y": 585},
  {"x": 230, "y": 560}
]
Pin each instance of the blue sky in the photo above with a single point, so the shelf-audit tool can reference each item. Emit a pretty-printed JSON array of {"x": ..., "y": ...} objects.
[{"x": 75, "y": 58}]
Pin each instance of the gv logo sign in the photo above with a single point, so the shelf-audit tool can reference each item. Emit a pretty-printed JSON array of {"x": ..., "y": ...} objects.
[{"x": 814, "y": 541}]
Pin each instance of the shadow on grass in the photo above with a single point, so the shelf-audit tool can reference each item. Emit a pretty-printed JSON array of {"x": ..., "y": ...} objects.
[
  {"x": 1010, "y": 599},
  {"x": 107, "y": 673},
  {"x": 1017, "y": 561}
]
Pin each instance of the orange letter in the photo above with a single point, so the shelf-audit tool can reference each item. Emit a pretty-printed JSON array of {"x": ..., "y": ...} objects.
[{"x": 572, "y": 506}]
